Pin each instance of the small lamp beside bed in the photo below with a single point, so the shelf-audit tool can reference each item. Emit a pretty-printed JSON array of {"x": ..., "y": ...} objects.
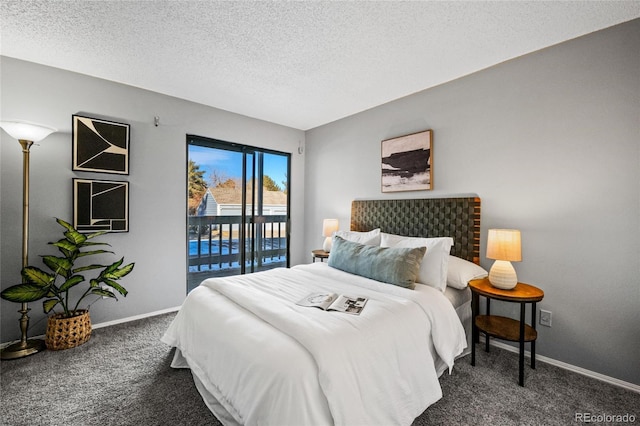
[
  {"x": 504, "y": 246},
  {"x": 329, "y": 226}
]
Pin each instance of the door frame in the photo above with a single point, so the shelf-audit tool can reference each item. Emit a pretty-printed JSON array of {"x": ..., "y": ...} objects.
[{"x": 257, "y": 171}]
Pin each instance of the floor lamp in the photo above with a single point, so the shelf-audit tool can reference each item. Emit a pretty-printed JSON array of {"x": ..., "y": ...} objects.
[{"x": 26, "y": 133}]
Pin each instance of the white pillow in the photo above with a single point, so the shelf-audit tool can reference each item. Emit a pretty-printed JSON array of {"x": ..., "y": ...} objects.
[
  {"x": 461, "y": 271},
  {"x": 371, "y": 238},
  {"x": 433, "y": 270}
]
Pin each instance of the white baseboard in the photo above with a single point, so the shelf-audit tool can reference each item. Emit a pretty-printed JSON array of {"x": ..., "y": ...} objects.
[
  {"x": 135, "y": 317},
  {"x": 108, "y": 323},
  {"x": 611, "y": 380}
]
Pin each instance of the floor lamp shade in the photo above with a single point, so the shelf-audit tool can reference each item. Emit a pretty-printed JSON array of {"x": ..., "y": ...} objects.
[
  {"x": 26, "y": 133},
  {"x": 504, "y": 245},
  {"x": 329, "y": 226},
  {"x": 24, "y": 130}
]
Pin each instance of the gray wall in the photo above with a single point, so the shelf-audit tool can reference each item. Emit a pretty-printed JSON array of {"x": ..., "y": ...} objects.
[
  {"x": 156, "y": 241},
  {"x": 551, "y": 143}
]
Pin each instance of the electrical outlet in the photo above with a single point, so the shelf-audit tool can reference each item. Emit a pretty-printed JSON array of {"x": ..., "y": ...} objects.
[{"x": 545, "y": 318}]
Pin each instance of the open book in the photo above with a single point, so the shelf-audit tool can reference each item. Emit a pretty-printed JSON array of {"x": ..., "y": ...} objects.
[{"x": 335, "y": 302}]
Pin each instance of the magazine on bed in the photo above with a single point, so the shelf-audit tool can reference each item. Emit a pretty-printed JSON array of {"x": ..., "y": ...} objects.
[{"x": 335, "y": 302}]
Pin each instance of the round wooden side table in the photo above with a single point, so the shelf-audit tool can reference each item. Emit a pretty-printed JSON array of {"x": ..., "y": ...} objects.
[
  {"x": 319, "y": 254},
  {"x": 502, "y": 327}
]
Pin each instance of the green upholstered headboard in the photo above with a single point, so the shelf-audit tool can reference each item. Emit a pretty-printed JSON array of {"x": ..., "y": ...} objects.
[{"x": 458, "y": 218}]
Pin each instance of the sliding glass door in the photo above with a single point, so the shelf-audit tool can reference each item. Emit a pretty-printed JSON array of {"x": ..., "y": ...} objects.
[{"x": 238, "y": 209}]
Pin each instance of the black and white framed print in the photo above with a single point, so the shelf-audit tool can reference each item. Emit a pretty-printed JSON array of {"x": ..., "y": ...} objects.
[
  {"x": 407, "y": 162},
  {"x": 100, "y": 205},
  {"x": 100, "y": 146}
]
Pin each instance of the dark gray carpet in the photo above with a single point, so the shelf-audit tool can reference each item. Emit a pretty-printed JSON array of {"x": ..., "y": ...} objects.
[
  {"x": 122, "y": 376},
  {"x": 489, "y": 394}
]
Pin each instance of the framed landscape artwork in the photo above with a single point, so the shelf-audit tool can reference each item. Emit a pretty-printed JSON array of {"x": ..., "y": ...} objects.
[
  {"x": 406, "y": 162},
  {"x": 100, "y": 205},
  {"x": 100, "y": 146}
]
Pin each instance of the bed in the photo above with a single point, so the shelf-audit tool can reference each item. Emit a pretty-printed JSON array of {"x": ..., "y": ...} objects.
[{"x": 257, "y": 357}]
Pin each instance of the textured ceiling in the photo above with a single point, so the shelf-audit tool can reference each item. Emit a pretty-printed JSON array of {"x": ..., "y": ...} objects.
[{"x": 300, "y": 64}]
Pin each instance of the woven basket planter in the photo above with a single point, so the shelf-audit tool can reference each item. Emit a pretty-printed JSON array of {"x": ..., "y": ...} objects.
[{"x": 66, "y": 333}]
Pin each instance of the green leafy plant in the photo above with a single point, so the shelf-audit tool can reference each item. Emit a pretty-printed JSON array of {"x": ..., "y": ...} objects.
[{"x": 55, "y": 286}]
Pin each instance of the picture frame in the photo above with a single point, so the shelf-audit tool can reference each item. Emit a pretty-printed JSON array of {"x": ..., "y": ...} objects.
[
  {"x": 100, "y": 146},
  {"x": 100, "y": 205},
  {"x": 406, "y": 163}
]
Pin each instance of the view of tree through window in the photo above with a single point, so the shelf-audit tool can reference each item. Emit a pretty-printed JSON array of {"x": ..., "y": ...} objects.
[{"x": 238, "y": 209}]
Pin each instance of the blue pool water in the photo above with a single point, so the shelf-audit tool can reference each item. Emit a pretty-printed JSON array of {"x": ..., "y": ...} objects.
[{"x": 216, "y": 249}]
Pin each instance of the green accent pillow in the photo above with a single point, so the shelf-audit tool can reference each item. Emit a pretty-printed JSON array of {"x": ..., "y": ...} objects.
[{"x": 397, "y": 266}]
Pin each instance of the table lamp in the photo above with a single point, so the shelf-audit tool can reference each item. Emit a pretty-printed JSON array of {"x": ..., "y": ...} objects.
[
  {"x": 504, "y": 246},
  {"x": 329, "y": 226}
]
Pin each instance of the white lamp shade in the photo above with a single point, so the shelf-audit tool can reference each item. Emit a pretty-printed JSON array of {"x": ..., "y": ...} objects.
[
  {"x": 504, "y": 244},
  {"x": 24, "y": 130},
  {"x": 329, "y": 226}
]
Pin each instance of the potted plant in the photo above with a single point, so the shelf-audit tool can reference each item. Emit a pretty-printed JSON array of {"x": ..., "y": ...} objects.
[{"x": 72, "y": 325}]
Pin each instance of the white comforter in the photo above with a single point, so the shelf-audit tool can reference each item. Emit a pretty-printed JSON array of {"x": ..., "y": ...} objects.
[{"x": 267, "y": 360}]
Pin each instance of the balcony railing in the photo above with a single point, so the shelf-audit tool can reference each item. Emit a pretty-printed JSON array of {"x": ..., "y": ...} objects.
[{"x": 214, "y": 245}]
